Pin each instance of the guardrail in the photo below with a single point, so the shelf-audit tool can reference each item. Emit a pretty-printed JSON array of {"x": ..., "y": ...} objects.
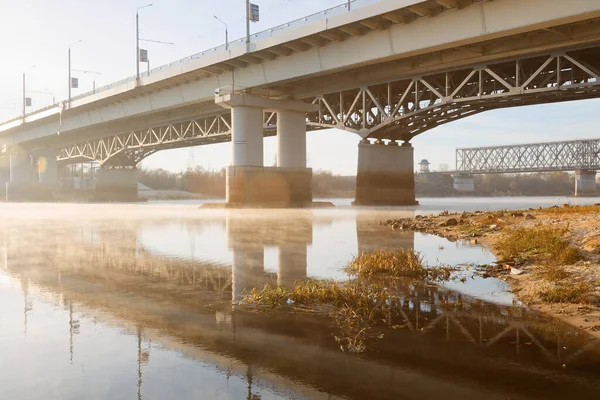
[{"x": 321, "y": 15}]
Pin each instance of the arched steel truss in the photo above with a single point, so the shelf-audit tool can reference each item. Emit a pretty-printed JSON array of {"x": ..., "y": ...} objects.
[
  {"x": 394, "y": 110},
  {"x": 404, "y": 108},
  {"x": 129, "y": 148}
]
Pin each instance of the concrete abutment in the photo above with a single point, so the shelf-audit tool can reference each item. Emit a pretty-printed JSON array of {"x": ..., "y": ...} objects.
[
  {"x": 585, "y": 182},
  {"x": 32, "y": 176},
  {"x": 116, "y": 184},
  {"x": 464, "y": 183},
  {"x": 385, "y": 174}
]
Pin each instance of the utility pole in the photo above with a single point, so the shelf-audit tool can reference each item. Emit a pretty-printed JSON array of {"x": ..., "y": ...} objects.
[
  {"x": 69, "y": 77},
  {"x": 70, "y": 83},
  {"x": 137, "y": 46},
  {"x": 349, "y": 1},
  {"x": 247, "y": 24},
  {"x": 137, "y": 42},
  {"x": 24, "y": 96}
]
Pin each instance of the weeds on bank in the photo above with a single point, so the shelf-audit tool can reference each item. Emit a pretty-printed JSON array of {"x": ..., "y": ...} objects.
[
  {"x": 594, "y": 209},
  {"x": 577, "y": 293},
  {"x": 543, "y": 243},
  {"x": 358, "y": 306},
  {"x": 553, "y": 273},
  {"x": 396, "y": 264}
]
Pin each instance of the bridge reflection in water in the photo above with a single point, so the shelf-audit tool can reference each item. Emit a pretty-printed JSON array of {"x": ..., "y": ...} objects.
[{"x": 444, "y": 345}]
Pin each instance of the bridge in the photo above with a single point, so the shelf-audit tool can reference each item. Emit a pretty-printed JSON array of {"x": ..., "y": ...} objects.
[
  {"x": 581, "y": 156},
  {"x": 385, "y": 70}
]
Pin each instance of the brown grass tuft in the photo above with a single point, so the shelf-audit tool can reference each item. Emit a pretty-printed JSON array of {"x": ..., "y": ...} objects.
[
  {"x": 396, "y": 264},
  {"x": 542, "y": 243},
  {"x": 553, "y": 273},
  {"x": 576, "y": 293},
  {"x": 356, "y": 307}
]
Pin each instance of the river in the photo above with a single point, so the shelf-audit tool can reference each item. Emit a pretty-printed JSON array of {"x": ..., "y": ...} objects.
[{"x": 140, "y": 301}]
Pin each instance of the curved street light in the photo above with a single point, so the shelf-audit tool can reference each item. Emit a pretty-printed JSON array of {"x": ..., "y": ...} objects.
[{"x": 226, "y": 33}]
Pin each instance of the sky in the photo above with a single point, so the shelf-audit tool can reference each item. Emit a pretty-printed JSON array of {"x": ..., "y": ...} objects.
[{"x": 39, "y": 32}]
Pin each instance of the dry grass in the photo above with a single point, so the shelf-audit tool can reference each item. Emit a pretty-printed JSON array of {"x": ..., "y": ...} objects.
[
  {"x": 580, "y": 210},
  {"x": 544, "y": 244},
  {"x": 355, "y": 306},
  {"x": 396, "y": 264},
  {"x": 577, "y": 293},
  {"x": 358, "y": 306},
  {"x": 553, "y": 273}
]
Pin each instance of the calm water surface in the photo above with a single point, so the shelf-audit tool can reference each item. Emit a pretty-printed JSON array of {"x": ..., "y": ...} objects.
[{"x": 135, "y": 301}]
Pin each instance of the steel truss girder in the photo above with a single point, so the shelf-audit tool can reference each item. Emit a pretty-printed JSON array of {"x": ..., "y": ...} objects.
[
  {"x": 129, "y": 148},
  {"x": 536, "y": 157},
  {"x": 403, "y": 108}
]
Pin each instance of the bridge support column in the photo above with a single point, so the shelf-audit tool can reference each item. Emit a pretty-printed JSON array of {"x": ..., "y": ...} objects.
[
  {"x": 464, "y": 183},
  {"x": 585, "y": 183},
  {"x": 117, "y": 184},
  {"x": 296, "y": 186},
  {"x": 385, "y": 174},
  {"x": 249, "y": 183},
  {"x": 31, "y": 176},
  {"x": 4, "y": 176}
]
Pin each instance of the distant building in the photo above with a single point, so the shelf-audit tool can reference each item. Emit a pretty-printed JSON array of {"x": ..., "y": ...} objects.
[{"x": 424, "y": 166}]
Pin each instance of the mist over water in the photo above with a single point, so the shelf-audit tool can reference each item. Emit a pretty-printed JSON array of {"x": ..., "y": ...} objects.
[{"x": 138, "y": 301}]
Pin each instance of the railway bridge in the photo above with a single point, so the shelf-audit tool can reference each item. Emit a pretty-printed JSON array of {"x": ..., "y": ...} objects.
[{"x": 580, "y": 156}]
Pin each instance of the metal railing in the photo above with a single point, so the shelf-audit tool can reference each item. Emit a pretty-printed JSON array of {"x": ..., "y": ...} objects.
[{"x": 321, "y": 15}]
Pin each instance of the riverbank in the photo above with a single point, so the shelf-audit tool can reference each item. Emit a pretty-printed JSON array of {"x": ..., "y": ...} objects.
[{"x": 551, "y": 256}]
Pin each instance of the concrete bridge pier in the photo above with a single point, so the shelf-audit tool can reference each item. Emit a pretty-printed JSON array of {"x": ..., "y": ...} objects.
[
  {"x": 385, "y": 174},
  {"x": 4, "y": 175},
  {"x": 249, "y": 182},
  {"x": 464, "y": 183},
  {"x": 117, "y": 184},
  {"x": 33, "y": 177},
  {"x": 585, "y": 182}
]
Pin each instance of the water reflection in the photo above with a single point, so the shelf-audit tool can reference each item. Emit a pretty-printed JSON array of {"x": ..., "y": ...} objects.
[{"x": 157, "y": 322}]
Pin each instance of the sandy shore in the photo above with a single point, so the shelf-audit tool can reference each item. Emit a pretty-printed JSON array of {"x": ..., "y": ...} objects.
[{"x": 581, "y": 226}]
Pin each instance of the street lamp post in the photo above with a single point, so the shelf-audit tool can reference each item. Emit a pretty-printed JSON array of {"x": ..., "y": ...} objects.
[
  {"x": 247, "y": 23},
  {"x": 137, "y": 42},
  {"x": 71, "y": 44},
  {"x": 226, "y": 32},
  {"x": 24, "y": 95}
]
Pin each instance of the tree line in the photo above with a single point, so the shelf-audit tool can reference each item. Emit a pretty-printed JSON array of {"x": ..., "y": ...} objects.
[{"x": 211, "y": 183}]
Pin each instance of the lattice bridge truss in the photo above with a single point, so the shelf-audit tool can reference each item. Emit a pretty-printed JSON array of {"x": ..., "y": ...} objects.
[
  {"x": 127, "y": 149},
  {"x": 536, "y": 157},
  {"x": 404, "y": 108}
]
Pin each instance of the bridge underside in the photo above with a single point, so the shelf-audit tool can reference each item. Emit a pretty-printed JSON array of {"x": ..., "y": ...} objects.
[
  {"x": 389, "y": 100},
  {"x": 393, "y": 110}
]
